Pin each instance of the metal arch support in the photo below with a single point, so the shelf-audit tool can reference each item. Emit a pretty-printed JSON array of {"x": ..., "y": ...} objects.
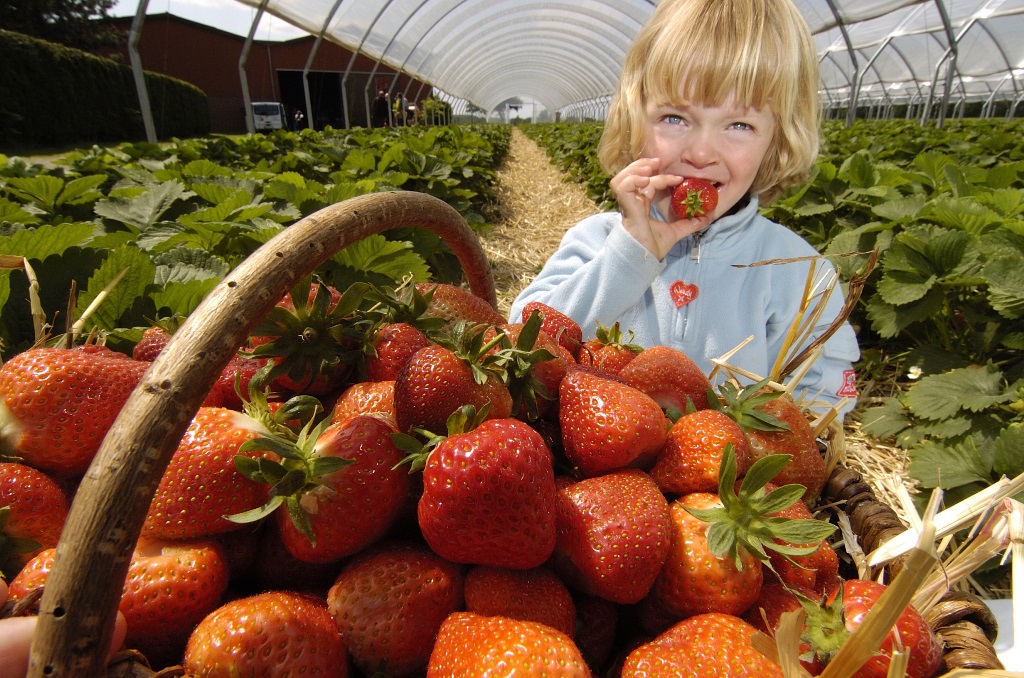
[
  {"x": 140, "y": 76},
  {"x": 394, "y": 36},
  {"x": 250, "y": 125},
  {"x": 548, "y": 60},
  {"x": 983, "y": 25},
  {"x": 309, "y": 62},
  {"x": 355, "y": 53},
  {"x": 951, "y": 56},
  {"x": 851, "y": 111}
]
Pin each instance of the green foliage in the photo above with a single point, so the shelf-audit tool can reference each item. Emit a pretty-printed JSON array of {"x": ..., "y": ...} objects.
[{"x": 151, "y": 230}]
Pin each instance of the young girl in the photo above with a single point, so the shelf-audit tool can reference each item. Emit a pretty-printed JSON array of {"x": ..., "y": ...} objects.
[{"x": 722, "y": 90}]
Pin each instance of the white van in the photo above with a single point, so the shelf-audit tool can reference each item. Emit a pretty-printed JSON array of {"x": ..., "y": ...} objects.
[{"x": 268, "y": 115}]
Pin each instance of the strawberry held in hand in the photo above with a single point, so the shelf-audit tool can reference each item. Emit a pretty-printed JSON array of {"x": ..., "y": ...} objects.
[{"x": 694, "y": 198}]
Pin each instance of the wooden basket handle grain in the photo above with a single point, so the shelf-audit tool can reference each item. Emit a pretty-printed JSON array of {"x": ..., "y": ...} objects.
[{"x": 80, "y": 601}]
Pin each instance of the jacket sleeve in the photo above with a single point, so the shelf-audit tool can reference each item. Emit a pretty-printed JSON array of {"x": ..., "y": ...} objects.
[{"x": 598, "y": 272}]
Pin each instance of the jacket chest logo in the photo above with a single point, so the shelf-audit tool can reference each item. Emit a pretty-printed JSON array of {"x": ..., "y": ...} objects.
[{"x": 682, "y": 293}]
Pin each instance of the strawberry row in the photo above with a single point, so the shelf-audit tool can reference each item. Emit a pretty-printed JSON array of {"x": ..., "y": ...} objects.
[{"x": 474, "y": 493}]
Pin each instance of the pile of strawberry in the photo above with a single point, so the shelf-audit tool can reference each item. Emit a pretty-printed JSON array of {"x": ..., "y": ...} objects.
[{"x": 403, "y": 484}]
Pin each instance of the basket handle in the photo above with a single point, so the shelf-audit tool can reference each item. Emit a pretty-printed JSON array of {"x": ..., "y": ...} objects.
[{"x": 80, "y": 600}]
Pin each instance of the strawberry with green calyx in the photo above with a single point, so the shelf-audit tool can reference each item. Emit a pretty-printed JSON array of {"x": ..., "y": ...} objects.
[
  {"x": 437, "y": 381},
  {"x": 720, "y": 542},
  {"x": 275, "y": 633},
  {"x": 33, "y": 509},
  {"x": 775, "y": 600},
  {"x": 534, "y": 366},
  {"x": 389, "y": 602},
  {"x": 563, "y": 329},
  {"x": 702, "y": 646},
  {"x": 488, "y": 492},
  {"x": 694, "y": 198},
  {"x": 607, "y": 425},
  {"x": 828, "y": 625},
  {"x": 608, "y": 351},
  {"x": 453, "y": 304},
  {"x": 817, "y": 571},
  {"x": 390, "y": 347},
  {"x": 469, "y": 644},
  {"x": 311, "y": 337},
  {"x": 57, "y": 404},
  {"x": 337, "y": 484},
  {"x": 775, "y": 425}
]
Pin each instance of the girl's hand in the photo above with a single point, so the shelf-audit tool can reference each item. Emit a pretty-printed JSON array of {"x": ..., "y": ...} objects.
[{"x": 636, "y": 188}]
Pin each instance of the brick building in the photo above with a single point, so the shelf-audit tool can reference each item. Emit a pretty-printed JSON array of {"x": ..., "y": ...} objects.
[{"x": 208, "y": 58}]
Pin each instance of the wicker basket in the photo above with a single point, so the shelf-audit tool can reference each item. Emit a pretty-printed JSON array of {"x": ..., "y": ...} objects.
[{"x": 79, "y": 604}]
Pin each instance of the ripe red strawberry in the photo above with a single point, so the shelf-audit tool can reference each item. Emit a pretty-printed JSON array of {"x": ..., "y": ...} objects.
[
  {"x": 775, "y": 425},
  {"x": 57, "y": 404},
  {"x": 597, "y": 623},
  {"x": 273, "y": 634},
  {"x": 555, "y": 324},
  {"x": 534, "y": 363},
  {"x": 608, "y": 351},
  {"x": 607, "y": 425},
  {"x": 201, "y": 484},
  {"x": 766, "y": 613},
  {"x": 529, "y": 595},
  {"x": 389, "y": 602},
  {"x": 365, "y": 397},
  {"x": 694, "y": 580},
  {"x": 489, "y": 496},
  {"x": 339, "y": 486},
  {"x": 703, "y": 646},
  {"x": 437, "y": 381},
  {"x": 827, "y": 628},
  {"x": 453, "y": 303},
  {"x": 152, "y": 342},
  {"x": 613, "y": 534},
  {"x": 392, "y": 346},
  {"x": 473, "y": 645},
  {"x": 669, "y": 376},
  {"x": 817, "y": 571},
  {"x": 694, "y": 198},
  {"x": 691, "y": 459},
  {"x": 33, "y": 575},
  {"x": 33, "y": 509},
  {"x": 169, "y": 588},
  {"x": 310, "y": 337}
]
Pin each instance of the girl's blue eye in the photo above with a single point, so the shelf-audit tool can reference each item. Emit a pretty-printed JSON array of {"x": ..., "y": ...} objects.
[{"x": 673, "y": 119}]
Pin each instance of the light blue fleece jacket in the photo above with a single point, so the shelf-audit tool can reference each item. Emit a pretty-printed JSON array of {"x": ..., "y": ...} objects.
[{"x": 601, "y": 273}]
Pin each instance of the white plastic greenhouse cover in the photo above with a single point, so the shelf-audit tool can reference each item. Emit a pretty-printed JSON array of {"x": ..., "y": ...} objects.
[{"x": 566, "y": 54}]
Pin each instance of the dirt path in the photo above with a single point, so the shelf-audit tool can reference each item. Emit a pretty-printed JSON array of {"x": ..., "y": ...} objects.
[{"x": 536, "y": 206}]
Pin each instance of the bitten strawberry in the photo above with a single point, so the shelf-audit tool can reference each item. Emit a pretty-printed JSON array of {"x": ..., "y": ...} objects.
[
  {"x": 58, "y": 403},
  {"x": 473, "y": 645},
  {"x": 613, "y": 534},
  {"x": 607, "y": 425},
  {"x": 389, "y": 602},
  {"x": 703, "y": 646},
  {"x": 489, "y": 495},
  {"x": 669, "y": 376},
  {"x": 33, "y": 509},
  {"x": 694, "y": 198},
  {"x": 273, "y": 634}
]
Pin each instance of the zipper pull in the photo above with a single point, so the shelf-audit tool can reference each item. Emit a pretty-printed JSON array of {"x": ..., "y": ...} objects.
[{"x": 695, "y": 248}]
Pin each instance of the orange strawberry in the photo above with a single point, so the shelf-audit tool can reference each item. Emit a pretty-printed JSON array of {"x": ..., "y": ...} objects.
[
  {"x": 608, "y": 351},
  {"x": 703, "y": 646},
  {"x": 33, "y": 509},
  {"x": 692, "y": 456},
  {"x": 530, "y": 595},
  {"x": 607, "y": 425},
  {"x": 365, "y": 397},
  {"x": 273, "y": 634},
  {"x": 389, "y": 602},
  {"x": 453, "y": 304},
  {"x": 474, "y": 645},
  {"x": 56, "y": 404},
  {"x": 669, "y": 376},
  {"x": 613, "y": 534}
]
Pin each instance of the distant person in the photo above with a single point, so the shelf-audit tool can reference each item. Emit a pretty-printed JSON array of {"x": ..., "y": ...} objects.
[
  {"x": 410, "y": 115},
  {"x": 299, "y": 117},
  {"x": 381, "y": 109}
]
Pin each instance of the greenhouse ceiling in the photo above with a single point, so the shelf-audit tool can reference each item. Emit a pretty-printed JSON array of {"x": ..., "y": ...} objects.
[{"x": 566, "y": 54}]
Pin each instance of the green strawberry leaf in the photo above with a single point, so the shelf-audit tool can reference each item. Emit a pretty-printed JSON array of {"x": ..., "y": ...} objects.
[
  {"x": 256, "y": 514},
  {"x": 941, "y": 396},
  {"x": 948, "y": 466}
]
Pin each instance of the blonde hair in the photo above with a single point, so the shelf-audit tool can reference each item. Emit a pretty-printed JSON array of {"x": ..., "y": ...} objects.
[{"x": 747, "y": 53}]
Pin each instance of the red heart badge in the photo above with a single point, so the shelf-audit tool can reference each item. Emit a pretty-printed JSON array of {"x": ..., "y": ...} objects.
[{"x": 683, "y": 293}]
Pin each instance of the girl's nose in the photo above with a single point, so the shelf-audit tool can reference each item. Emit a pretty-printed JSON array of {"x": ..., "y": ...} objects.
[{"x": 700, "y": 148}]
